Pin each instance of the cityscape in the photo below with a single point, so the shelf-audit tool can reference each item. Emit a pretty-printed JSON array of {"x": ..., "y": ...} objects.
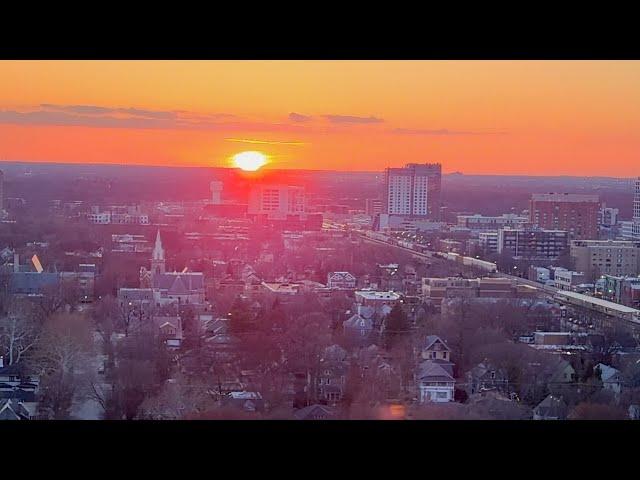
[{"x": 248, "y": 287}]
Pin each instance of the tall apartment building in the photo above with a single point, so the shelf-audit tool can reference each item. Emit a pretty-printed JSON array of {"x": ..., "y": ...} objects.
[
  {"x": 578, "y": 214},
  {"x": 636, "y": 211},
  {"x": 481, "y": 222},
  {"x": 532, "y": 243},
  {"x": 606, "y": 257},
  {"x": 276, "y": 201},
  {"x": 413, "y": 190},
  {"x": 1, "y": 191}
]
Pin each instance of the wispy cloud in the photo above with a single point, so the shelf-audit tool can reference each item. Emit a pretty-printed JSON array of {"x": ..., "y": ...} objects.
[
  {"x": 352, "y": 119},
  {"x": 444, "y": 132},
  {"x": 264, "y": 142},
  {"x": 97, "y": 110},
  {"x": 298, "y": 117},
  {"x": 130, "y": 117}
]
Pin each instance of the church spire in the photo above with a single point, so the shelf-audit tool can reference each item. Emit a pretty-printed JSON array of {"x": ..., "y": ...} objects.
[
  {"x": 157, "y": 259},
  {"x": 158, "y": 251}
]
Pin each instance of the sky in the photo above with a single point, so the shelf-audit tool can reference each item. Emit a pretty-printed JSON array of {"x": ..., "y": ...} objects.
[{"x": 476, "y": 117}]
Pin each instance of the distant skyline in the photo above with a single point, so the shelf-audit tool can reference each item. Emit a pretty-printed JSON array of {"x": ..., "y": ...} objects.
[{"x": 578, "y": 118}]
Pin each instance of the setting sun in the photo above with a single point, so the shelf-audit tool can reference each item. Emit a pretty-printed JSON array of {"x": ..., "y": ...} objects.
[{"x": 249, "y": 161}]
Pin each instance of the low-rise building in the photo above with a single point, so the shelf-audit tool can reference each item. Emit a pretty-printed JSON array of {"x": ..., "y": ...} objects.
[
  {"x": 567, "y": 279},
  {"x": 606, "y": 257}
]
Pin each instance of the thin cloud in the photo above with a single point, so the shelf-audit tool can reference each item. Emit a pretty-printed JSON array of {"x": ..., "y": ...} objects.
[
  {"x": 263, "y": 142},
  {"x": 105, "y": 117},
  {"x": 442, "y": 132},
  {"x": 298, "y": 117},
  {"x": 352, "y": 119}
]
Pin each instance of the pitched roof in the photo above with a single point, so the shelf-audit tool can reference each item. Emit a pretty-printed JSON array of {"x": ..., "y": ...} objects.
[
  {"x": 314, "y": 412},
  {"x": 552, "y": 407},
  {"x": 433, "y": 371},
  {"x": 358, "y": 321},
  {"x": 431, "y": 339}
]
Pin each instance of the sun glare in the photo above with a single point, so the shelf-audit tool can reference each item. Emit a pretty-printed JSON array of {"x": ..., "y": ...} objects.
[{"x": 250, "y": 161}]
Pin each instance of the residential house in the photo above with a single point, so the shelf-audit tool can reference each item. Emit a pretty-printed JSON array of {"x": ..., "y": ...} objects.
[
  {"x": 358, "y": 329},
  {"x": 315, "y": 412},
  {"x": 435, "y": 373},
  {"x": 435, "y": 382},
  {"x": 246, "y": 401},
  {"x": 484, "y": 377},
  {"x": 551, "y": 408},
  {"x": 341, "y": 280},
  {"x": 332, "y": 374},
  {"x": 170, "y": 330},
  {"x": 611, "y": 378}
]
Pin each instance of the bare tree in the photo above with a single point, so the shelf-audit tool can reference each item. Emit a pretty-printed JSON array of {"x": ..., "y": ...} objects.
[
  {"x": 17, "y": 336},
  {"x": 62, "y": 356}
]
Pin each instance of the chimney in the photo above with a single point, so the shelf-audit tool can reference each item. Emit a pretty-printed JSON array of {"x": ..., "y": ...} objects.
[{"x": 16, "y": 263}]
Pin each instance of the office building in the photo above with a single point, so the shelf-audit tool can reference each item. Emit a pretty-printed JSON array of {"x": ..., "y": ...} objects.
[
  {"x": 532, "y": 243},
  {"x": 606, "y": 257},
  {"x": 373, "y": 206},
  {"x": 276, "y": 201},
  {"x": 578, "y": 214},
  {"x": 488, "y": 242},
  {"x": 482, "y": 222},
  {"x": 609, "y": 216},
  {"x": 413, "y": 190}
]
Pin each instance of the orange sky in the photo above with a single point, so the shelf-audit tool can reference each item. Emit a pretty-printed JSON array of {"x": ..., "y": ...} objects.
[{"x": 511, "y": 117}]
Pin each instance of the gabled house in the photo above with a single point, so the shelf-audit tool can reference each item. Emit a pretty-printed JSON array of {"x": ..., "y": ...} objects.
[
  {"x": 12, "y": 410},
  {"x": 341, "y": 280},
  {"x": 436, "y": 349},
  {"x": 435, "y": 382},
  {"x": 486, "y": 376},
  {"x": 358, "y": 329},
  {"x": 332, "y": 374},
  {"x": 551, "y": 408},
  {"x": 170, "y": 330},
  {"x": 315, "y": 412},
  {"x": 611, "y": 378}
]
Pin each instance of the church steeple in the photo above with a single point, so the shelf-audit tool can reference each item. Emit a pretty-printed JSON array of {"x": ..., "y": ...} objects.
[
  {"x": 158, "y": 251},
  {"x": 157, "y": 259}
]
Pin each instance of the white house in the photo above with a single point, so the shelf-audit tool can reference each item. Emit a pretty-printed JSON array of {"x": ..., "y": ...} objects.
[{"x": 342, "y": 280}]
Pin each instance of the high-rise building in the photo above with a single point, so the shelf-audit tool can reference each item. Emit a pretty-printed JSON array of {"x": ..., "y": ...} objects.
[
  {"x": 216, "y": 192},
  {"x": 1, "y": 191},
  {"x": 276, "y": 201},
  {"x": 636, "y": 210},
  {"x": 578, "y": 214},
  {"x": 413, "y": 190}
]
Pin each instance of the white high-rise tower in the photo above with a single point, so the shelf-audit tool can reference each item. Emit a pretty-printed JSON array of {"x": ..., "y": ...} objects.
[
  {"x": 636, "y": 210},
  {"x": 216, "y": 192}
]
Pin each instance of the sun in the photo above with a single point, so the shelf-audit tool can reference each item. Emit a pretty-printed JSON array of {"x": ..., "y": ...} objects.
[{"x": 250, "y": 161}]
